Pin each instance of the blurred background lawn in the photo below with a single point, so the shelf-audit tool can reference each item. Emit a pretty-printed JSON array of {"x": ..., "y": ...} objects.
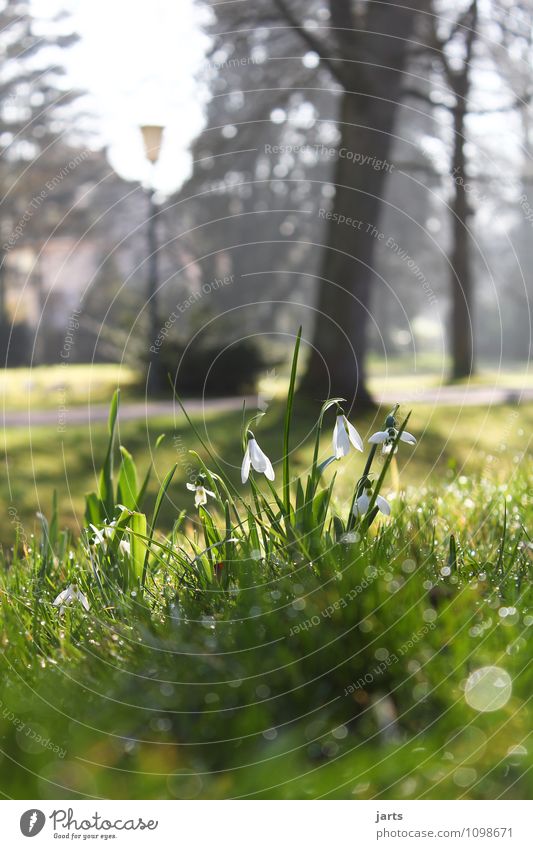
[{"x": 47, "y": 387}]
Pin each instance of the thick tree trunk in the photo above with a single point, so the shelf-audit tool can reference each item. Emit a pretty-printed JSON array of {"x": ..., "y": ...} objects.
[
  {"x": 461, "y": 283},
  {"x": 337, "y": 362},
  {"x": 462, "y": 340},
  {"x": 373, "y": 84}
]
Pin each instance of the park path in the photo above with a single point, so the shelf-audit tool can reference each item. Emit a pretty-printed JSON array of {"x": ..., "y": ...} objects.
[{"x": 450, "y": 396}]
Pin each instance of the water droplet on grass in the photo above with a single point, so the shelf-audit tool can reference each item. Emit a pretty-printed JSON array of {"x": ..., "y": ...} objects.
[
  {"x": 340, "y": 733},
  {"x": 381, "y": 654},
  {"x": 464, "y": 776},
  {"x": 488, "y": 689}
]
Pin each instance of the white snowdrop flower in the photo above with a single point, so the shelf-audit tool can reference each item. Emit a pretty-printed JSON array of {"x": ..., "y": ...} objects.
[
  {"x": 362, "y": 503},
  {"x": 70, "y": 595},
  {"x": 344, "y": 433},
  {"x": 103, "y": 536},
  {"x": 124, "y": 546},
  {"x": 200, "y": 492},
  {"x": 387, "y": 437},
  {"x": 256, "y": 459}
]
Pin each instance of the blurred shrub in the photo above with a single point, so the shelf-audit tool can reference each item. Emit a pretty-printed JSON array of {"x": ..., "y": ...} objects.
[
  {"x": 15, "y": 344},
  {"x": 213, "y": 368}
]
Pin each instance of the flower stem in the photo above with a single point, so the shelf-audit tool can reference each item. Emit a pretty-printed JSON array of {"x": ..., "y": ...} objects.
[
  {"x": 359, "y": 489},
  {"x": 367, "y": 521}
]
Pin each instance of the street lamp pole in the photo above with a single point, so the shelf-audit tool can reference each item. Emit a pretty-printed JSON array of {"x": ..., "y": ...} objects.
[{"x": 152, "y": 136}]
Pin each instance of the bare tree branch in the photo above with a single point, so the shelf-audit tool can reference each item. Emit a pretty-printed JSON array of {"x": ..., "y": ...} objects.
[
  {"x": 312, "y": 42},
  {"x": 426, "y": 98}
]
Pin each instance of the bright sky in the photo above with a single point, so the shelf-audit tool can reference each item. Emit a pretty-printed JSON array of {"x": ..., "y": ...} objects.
[{"x": 139, "y": 62}]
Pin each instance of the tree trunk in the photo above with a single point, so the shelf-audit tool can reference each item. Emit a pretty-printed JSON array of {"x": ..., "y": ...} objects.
[
  {"x": 461, "y": 275},
  {"x": 374, "y": 60},
  {"x": 337, "y": 361},
  {"x": 461, "y": 283}
]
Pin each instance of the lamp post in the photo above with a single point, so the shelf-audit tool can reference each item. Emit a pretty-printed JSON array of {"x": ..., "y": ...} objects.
[{"x": 152, "y": 136}]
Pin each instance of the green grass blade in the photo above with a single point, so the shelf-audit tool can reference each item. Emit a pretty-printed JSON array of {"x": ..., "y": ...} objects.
[
  {"x": 287, "y": 425},
  {"x": 105, "y": 491},
  {"x": 138, "y": 546},
  {"x": 127, "y": 480},
  {"x": 158, "y": 502}
]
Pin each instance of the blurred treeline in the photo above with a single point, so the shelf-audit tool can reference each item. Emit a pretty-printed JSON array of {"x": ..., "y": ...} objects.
[{"x": 414, "y": 124}]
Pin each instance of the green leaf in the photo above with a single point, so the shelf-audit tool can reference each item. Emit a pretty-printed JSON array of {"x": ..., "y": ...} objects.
[
  {"x": 452, "y": 554},
  {"x": 94, "y": 513},
  {"x": 138, "y": 544},
  {"x": 320, "y": 506},
  {"x": 158, "y": 502},
  {"x": 127, "y": 481},
  {"x": 300, "y": 498},
  {"x": 338, "y": 526},
  {"x": 287, "y": 426},
  {"x": 144, "y": 486},
  {"x": 229, "y": 547},
  {"x": 254, "y": 536},
  {"x": 54, "y": 523},
  {"x": 105, "y": 486},
  {"x": 113, "y": 412}
]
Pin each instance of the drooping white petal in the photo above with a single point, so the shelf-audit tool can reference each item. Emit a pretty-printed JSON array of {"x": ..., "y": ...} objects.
[
  {"x": 200, "y": 496},
  {"x": 408, "y": 437},
  {"x": 341, "y": 441},
  {"x": 379, "y": 437},
  {"x": 191, "y": 487},
  {"x": 354, "y": 437},
  {"x": 83, "y": 598},
  {"x": 208, "y": 491},
  {"x": 258, "y": 457},
  {"x": 387, "y": 448},
  {"x": 259, "y": 460},
  {"x": 62, "y": 597},
  {"x": 361, "y": 505},
  {"x": 245, "y": 468},
  {"x": 124, "y": 546},
  {"x": 100, "y": 538},
  {"x": 71, "y": 594},
  {"x": 269, "y": 471},
  {"x": 383, "y": 505}
]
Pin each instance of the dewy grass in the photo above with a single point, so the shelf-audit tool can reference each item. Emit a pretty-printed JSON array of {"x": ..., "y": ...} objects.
[{"x": 290, "y": 643}]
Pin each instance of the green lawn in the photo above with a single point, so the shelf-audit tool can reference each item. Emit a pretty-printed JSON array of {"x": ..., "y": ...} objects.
[
  {"x": 453, "y": 441},
  {"x": 71, "y": 385}
]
